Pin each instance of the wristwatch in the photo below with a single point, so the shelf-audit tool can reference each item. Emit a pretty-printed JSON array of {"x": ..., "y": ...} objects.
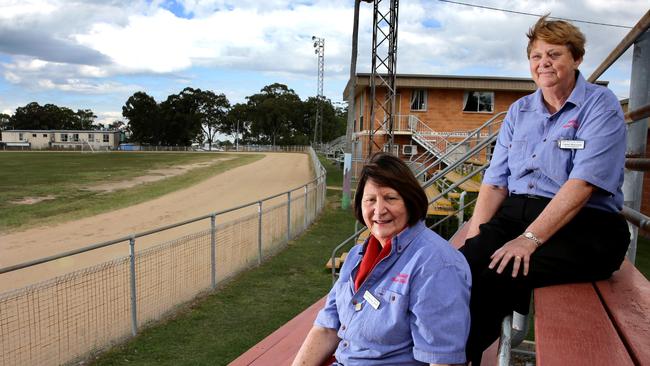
[{"x": 530, "y": 236}]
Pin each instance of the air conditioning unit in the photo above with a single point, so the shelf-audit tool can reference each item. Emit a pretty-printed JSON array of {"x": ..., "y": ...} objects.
[{"x": 409, "y": 149}]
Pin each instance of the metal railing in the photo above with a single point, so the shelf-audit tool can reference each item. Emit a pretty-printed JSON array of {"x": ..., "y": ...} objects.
[{"x": 64, "y": 318}]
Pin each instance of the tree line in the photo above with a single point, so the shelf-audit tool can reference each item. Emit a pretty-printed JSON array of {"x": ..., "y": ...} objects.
[
  {"x": 274, "y": 116},
  {"x": 34, "y": 116}
]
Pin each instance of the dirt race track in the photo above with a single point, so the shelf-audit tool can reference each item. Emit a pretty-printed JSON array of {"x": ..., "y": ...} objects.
[{"x": 275, "y": 173}]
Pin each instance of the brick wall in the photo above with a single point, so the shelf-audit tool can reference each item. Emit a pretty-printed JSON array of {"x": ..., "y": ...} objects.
[{"x": 444, "y": 108}]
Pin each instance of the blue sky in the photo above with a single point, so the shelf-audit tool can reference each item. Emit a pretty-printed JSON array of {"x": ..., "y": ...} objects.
[{"x": 95, "y": 54}]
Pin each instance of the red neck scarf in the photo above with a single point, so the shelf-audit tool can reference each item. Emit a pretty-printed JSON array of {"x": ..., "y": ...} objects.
[{"x": 374, "y": 253}]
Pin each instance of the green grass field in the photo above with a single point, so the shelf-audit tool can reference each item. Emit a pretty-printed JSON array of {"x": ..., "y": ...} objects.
[{"x": 64, "y": 175}]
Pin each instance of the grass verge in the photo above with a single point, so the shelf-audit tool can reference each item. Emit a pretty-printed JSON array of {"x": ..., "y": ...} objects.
[
  {"x": 64, "y": 175},
  {"x": 216, "y": 329}
]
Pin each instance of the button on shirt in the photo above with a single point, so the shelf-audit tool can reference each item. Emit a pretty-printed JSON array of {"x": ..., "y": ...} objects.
[
  {"x": 423, "y": 289},
  {"x": 527, "y": 158}
]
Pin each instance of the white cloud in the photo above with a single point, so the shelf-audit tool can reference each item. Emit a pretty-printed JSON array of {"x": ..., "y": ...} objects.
[
  {"x": 142, "y": 40},
  {"x": 22, "y": 8}
]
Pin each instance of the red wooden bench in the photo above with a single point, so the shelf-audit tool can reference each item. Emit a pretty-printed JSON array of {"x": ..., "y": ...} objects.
[
  {"x": 601, "y": 323},
  {"x": 281, "y": 346}
]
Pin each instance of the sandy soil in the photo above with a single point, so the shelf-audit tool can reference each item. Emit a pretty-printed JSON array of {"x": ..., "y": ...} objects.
[{"x": 275, "y": 173}]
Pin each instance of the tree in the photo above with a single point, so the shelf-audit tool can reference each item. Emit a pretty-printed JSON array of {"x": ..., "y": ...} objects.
[
  {"x": 213, "y": 109},
  {"x": 181, "y": 117},
  {"x": 117, "y": 125},
  {"x": 274, "y": 113},
  {"x": 238, "y": 122},
  {"x": 51, "y": 117},
  {"x": 85, "y": 119},
  {"x": 334, "y": 119},
  {"x": 5, "y": 122},
  {"x": 143, "y": 114}
]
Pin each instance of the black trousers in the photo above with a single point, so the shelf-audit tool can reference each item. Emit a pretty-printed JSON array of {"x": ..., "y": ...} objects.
[{"x": 588, "y": 248}]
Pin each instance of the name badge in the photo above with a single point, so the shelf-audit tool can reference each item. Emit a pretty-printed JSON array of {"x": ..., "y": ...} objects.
[
  {"x": 571, "y": 144},
  {"x": 371, "y": 300}
]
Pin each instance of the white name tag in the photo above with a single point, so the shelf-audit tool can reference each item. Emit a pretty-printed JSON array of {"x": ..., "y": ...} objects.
[
  {"x": 371, "y": 300},
  {"x": 571, "y": 144}
]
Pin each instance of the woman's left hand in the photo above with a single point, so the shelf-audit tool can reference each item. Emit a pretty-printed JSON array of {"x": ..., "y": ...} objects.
[{"x": 519, "y": 250}]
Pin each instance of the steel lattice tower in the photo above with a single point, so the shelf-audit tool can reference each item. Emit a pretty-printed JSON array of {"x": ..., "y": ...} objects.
[
  {"x": 319, "y": 45},
  {"x": 384, "y": 67}
]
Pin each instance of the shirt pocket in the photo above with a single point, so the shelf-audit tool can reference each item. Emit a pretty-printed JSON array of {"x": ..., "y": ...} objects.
[
  {"x": 389, "y": 323},
  {"x": 516, "y": 155},
  {"x": 558, "y": 163}
]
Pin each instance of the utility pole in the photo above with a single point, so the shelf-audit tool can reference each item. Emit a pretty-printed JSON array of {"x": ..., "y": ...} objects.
[
  {"x": 319, "y": 49},
  {"x": 349, "y": 131}
]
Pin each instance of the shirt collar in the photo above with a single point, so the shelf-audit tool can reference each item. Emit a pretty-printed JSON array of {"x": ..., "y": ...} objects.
[
  {"x": 400, "y": 241},
  {"x": 577, "y": 97}
]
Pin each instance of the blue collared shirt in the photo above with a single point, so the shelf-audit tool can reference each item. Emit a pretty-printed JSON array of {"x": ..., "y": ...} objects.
[
  {"x": 527, "y": 158},
  {"x": 423, "y": 288}
]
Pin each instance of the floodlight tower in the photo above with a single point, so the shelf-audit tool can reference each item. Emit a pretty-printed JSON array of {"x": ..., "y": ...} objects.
[
  {"x": 384, "y": 68},
  {"x": 319, "y": 49}
]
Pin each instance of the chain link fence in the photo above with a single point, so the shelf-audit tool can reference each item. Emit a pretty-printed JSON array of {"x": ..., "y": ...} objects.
[{"x": 63, "y": 319}]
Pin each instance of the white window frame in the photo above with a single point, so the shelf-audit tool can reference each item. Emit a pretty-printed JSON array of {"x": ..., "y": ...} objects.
[
  {"x": 419, "y": 100},
  {"x": 479, "y": 104},
  {"x": 64, "y": 137},
  {"x": 107, "y": 138},
  {"x": 91, "y": 137},
  {"x": 20, "y": 136},
  {"x": 75, "y": 137}
]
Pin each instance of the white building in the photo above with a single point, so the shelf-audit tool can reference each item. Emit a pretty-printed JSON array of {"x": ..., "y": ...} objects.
[{"x": 61, "y": 139}]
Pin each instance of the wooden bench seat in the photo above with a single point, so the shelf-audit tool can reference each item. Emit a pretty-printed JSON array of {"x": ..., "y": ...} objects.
[
  {"x": 468, "y": 185},
  {"x": 601, "y": 323},
  {"x": 441, "y": 207}
]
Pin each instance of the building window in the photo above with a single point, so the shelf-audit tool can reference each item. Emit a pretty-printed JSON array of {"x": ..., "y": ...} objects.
[
  {"x": 20, "y": 136},
  {"x": 105, "y": 137},
  {"x": 75, "y": 137},
  {"x": 45, "y": 135},
  {"x": 419, "y": 100},
  {"x": 475, "y": 101},
  {"x": 33, "y": 135},
  {"x": 90, "y": 137},
  {"x": 64, "y": 137}
]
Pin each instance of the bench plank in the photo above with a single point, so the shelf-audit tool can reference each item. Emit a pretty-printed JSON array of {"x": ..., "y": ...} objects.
[
  {"x": 627, "y": 299},
  {"x": 573, "y": 328},
  {"x": 281, "y": 346}
]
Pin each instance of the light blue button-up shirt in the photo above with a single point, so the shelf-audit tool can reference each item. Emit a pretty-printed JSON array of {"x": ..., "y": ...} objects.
[
  {"x": 423, "y": 288},
  {"x": 528, "y": 159}
]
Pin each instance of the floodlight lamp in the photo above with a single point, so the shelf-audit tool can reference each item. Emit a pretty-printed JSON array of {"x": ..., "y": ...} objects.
[{"x": 313, "y": 38}]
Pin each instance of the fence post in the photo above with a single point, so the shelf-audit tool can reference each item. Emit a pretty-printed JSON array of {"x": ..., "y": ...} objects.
[
  {"x": 259, "y": 232},
  {"x": 306, "y": 207},
  {"x": 213, "y": 251},
  {"x": 288, "y": 216},
  {"x": 134, "y": 311}
]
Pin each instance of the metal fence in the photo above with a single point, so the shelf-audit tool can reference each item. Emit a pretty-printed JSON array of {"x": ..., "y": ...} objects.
[{"x": 64, "y": 318}]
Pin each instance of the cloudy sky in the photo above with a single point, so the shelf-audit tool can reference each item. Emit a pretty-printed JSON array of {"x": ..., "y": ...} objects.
[{"x": 96, "y": 53}]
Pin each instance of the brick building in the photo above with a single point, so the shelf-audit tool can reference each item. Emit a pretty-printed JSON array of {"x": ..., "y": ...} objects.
[{"x": 446, "y": 107}]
